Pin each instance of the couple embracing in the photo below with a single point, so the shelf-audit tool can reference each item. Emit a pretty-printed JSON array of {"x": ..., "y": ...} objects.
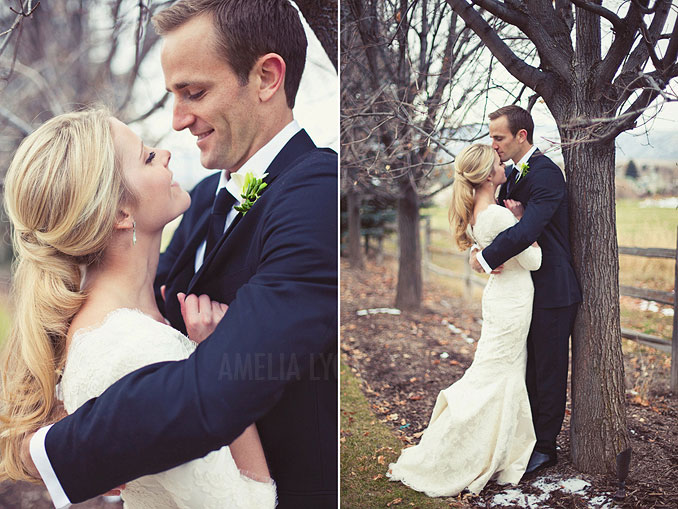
[
  {"x": 229, "y": 336},
  {"x": 501, "y": 419}
]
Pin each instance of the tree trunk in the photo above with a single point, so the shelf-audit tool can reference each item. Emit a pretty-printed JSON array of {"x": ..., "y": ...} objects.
[
  {"x": 408, "y": 294},
  {"x": 355, "y": 256},
  {"x": 321, "y": 16},
  {"x": 598, "y": 429}
]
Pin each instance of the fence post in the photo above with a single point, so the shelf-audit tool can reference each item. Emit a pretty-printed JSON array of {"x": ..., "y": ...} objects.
[{"x": 674, "y": 337}]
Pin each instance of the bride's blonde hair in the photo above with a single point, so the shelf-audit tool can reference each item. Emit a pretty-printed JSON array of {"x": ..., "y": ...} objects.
[
  {"x": 472, "y": 167},
  {"x": 63, "y": 191}
]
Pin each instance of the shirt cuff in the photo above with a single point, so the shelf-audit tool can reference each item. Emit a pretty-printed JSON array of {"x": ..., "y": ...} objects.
[
  {"x": 41, "y": 461},
  {"x": 483, "y": 263}
]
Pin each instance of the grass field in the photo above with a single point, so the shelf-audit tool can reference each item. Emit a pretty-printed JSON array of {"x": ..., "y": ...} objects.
[{"x": 367, "y": 448}]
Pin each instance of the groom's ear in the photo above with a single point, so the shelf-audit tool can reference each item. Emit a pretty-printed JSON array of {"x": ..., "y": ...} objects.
[
  {"x": 123, "y": 220},
  {"x": 270, "y": 72}
]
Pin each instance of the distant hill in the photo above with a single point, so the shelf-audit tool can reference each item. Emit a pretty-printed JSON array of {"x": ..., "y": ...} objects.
[{"x": 658, "y": 146}]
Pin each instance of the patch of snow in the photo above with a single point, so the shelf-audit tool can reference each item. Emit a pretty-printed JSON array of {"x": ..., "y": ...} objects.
[
  {"x": 577, "y": 486},
  {"x": 664, "y": 203},
  {"x": 649, "y": 306},
  {"x": 454, "y": 329},
  {"x": 514, "y": 497},
  {"x": 444, "y": 355},
  {"x": 374, "y": 311},
  {"x": 469, "y": 340},
  {"x": 601, "y": 503},
  {"x": 545, "y": 486},
  {"x": 654, "y": 308}
]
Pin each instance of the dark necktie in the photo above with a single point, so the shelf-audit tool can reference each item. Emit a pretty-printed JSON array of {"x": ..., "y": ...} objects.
[
  {"x": 511, "y": 179},
  {"x": 222, "y": 205}
]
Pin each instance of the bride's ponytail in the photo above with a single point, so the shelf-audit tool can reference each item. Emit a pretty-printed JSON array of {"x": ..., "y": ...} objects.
[
  {"x": 472, "y": 166},
  {"x": 62, "y": 193}
]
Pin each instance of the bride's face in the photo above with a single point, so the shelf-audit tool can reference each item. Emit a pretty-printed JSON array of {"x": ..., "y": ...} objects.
[
  {"x": 159, "y": 198},
  {"x": 498, "y": 175}
]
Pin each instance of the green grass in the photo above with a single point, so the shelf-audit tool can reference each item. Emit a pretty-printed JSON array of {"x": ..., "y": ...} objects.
[
  {"x": 646, "y": 227},
  {"x": 367, "y": 448}
]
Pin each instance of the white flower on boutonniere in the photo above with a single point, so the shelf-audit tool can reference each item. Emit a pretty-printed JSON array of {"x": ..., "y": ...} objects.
[
  {"x": 524, "y": 169},
  {"x": 249, "y": 189}
]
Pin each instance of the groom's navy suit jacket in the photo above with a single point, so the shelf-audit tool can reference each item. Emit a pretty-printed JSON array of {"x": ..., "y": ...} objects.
[
  {"x": 544, "y": 194},
  {"x": 271, "y": 360}
]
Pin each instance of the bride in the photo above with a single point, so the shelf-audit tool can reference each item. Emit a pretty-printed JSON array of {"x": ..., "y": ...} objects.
[
  {"x": 481, "y": 426},
  {"x": 88, "y": 202}
]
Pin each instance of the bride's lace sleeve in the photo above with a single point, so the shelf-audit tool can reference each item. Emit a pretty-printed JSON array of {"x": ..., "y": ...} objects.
[
  {"x": 530, "y": 259},
  {"x": 125, "y": 342}
]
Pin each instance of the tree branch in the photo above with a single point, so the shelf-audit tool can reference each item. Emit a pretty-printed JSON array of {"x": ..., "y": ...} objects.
[
  {"x": 531, "y": 76},
  {"x": 601, "y": 11},
  {"x": 321, "y": 16},
  {"x": 518, "y": 19}
]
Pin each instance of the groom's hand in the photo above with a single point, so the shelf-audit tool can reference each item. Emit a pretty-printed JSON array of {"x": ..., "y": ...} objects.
[
  {"x": 475, "y": 264},
  {"x": 201, "y": 315}
]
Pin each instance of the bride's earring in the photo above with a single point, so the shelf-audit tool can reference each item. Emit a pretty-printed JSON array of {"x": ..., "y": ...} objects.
[{"x": 134, "y": 233}]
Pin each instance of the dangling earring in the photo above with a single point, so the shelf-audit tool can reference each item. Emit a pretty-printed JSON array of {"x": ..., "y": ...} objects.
[{"x": 134, "y": 233}]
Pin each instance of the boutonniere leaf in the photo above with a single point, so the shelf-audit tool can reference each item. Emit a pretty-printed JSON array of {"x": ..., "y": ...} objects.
[
  {"x": 250, "y": 192},
  {"x": 524, "y": 170}
]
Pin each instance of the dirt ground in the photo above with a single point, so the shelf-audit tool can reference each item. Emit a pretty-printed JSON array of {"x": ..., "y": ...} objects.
[
  {"x": 23, "y": 495},
  {"x": 405, "y": 360}
]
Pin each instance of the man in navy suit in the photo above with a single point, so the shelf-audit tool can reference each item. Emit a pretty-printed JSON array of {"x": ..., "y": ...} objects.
[
  {"x": 233, "y": 67},
  {"x": 535, "y": 188}
]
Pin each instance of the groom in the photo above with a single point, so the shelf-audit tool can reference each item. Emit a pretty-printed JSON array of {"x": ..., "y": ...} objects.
[
  {"x": 233, "y": 67},
  {"x": 535, "y": 185}
]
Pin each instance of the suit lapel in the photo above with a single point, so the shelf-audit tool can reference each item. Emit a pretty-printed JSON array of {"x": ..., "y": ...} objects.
[
  {"x": 199, "y": 234},
  {"x": 515, "y": 185},
  {"x": 298, "y": 145}
]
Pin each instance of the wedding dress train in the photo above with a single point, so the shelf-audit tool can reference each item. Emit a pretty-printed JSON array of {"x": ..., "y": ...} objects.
[
  {"x": 481, "y": 426},
  {"x": 126, "y": 341}
]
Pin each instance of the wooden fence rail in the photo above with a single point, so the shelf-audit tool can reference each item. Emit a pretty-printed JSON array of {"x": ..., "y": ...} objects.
[{"x": 668, "y": 298}]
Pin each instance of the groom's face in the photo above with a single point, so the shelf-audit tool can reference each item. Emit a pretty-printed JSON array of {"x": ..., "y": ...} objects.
[
  {"x": 504, "y": 142},
  {"x": 208, "y": 98}
]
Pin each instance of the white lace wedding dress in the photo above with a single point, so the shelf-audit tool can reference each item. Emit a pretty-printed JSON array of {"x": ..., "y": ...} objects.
[
  {"x": 126, "y": 341},
  {"x": 481, "y": 426}
]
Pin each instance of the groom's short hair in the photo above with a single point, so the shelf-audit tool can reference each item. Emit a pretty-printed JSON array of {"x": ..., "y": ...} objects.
[
  {"x": 246, "y": 30},
  {"x": 518, "y": 118}
]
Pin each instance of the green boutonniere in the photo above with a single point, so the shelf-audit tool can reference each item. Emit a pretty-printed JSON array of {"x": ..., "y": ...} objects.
[
  {"x": 251, "y": 190},
  {"x": 524, "y": 170}
]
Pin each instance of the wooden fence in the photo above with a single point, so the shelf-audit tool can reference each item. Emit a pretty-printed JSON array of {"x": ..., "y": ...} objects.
[{"x": 669, "y": 298}]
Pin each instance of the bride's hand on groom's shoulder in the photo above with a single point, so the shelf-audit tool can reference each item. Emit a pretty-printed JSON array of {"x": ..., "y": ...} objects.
[{"x": 201, "y": 315}]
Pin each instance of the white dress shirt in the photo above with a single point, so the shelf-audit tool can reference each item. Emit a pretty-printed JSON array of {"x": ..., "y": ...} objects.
[
  {"x": 257, "y": 165},
  {"x": 479, "y": 254}
]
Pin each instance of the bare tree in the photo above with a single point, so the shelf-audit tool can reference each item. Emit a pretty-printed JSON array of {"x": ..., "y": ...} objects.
[
  {"x": 598, "y": 70},
  {"x": 321, "y": 16},
  {"x": 409, "y": 73}
]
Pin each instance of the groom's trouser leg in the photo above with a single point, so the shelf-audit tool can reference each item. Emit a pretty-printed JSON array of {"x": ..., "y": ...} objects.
[{"x": 547, "y": 361}]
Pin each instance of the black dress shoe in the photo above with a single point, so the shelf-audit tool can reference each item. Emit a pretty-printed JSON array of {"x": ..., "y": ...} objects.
[{"x": 539, "y": 461}]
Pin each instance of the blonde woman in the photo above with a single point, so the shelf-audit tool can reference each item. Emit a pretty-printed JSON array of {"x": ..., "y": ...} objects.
[
  {"x": 481, "y": 426},
  {"x": 88, "y": 201}
]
